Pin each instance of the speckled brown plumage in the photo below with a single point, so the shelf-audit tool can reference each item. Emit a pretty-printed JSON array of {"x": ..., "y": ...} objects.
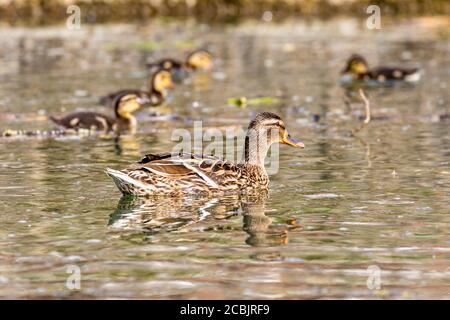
[{"x": 176, "y": 174}]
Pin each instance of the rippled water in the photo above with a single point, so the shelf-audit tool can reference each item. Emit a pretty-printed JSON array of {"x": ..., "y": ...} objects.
[{"x": 377, "y": 201}]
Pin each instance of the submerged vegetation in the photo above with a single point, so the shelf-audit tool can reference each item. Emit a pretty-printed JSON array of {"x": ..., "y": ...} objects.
[{"x": 38, "y": 12}]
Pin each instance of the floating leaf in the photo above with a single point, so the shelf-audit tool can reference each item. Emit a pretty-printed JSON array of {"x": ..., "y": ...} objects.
[{"x": 244, "y": 101}]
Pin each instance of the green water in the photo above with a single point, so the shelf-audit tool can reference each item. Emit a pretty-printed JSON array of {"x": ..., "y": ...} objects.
[{"x": 334, "y": 209}]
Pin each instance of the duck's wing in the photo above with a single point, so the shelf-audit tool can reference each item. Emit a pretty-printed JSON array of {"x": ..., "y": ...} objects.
[
  {"x": 208, "y": 170},
  {"x": 392, "y": 73},
  {"x": 108, "y": 99},
  {"x": 166, "y": 64},
  {"x": 85, "y": 120}
]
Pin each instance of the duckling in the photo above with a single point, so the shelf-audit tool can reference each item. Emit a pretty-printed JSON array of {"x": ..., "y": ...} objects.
[
  {"x": 160, "y": 81},
  {"x": 199, "y": 59},
  {"x": 358, "y": 69},
  {"x": 124, "y": 107},
  {"x": 178, "y": 174}
]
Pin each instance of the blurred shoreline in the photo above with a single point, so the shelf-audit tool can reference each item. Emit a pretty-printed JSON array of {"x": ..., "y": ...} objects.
[{"x": 47, "y": 12}]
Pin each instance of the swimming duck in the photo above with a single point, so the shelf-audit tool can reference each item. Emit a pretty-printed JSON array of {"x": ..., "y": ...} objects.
[
  {"x": 160, "y": 81},
  {"x": 124, "y": 107},
  {"x": 357, "y": 68},
  {"x": 184, "y": 173},
  {"x": 199, "y": 59}
]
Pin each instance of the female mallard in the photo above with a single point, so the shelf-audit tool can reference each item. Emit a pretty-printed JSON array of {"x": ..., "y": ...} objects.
[
  {"x": 124, "y": 107},
  {"x": 196, "y": 60},
  {"x": 160, "y": 81},
  {"x": 183, "y": 173},
  {"x": 357, "y": 68}
]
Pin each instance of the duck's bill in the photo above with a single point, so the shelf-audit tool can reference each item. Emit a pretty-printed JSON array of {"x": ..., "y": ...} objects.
[
  {"x": 170, "y": 85},
  {"x": 209, "y": 67},
  {"x": 293, "y": 142}
]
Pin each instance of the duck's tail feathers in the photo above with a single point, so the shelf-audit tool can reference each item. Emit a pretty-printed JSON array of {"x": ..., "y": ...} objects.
[
  {"x": 55, "y": 120},
  {"x": 414, "y": 75},
  {"x": 125, "y": 183}
]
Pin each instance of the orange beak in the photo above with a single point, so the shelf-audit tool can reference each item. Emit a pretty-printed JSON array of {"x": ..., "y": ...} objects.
[
  {"x": 287, "y": 139},
  {"x": 170, "y": 84},
  {"x": 210, "y": 66}
]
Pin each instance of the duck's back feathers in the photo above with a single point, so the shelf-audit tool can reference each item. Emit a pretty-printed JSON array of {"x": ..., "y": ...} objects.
[
  {"x": 382, "y": 74},
  {"x": 166, "y": 64},
  {"x": 155, "y": 98},
  {"x": 175, "y": 174},
  {"x": 109, "y": 99},
  {"x": 85, "y": 120}
]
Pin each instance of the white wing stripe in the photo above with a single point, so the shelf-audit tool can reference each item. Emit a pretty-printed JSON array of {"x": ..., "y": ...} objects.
[{"x": 203, "y": 176}]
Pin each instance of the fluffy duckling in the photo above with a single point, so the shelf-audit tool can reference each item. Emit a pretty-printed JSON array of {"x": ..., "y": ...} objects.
[
  {"x": 199, "y": 59},
  {"x": 177, "y": 174},
  {"x": 160, "y": 82},
  {"x": 357, "y": 69},
  {"x": 124, "y": 107}
]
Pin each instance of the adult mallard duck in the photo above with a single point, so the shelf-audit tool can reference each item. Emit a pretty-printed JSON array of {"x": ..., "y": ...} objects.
[
  {"x": 199, "y": 59},
  {"x": 182, "y": 173},
  {"x": 124, "y": 107},
  {"x": 358, "y": 69},
  {"x": 160, "y": 81}
]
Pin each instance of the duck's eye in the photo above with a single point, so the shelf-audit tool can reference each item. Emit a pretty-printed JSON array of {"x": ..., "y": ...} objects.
[{"x": 274, "y": 124}]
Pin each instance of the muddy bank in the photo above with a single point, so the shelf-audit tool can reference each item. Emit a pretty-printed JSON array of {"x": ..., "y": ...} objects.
[{"x": 40, "y": 12}]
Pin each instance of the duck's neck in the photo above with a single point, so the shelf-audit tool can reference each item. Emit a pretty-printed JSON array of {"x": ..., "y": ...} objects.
[
  {"x": 155, "y": 89},
  {"x": 160, "y": 92},
  {"x": 156, "y": 98},
  {"x": 189, "y": 66},
  {"x": 127, "y": 121},
  {"x": 256, "y": 149}
]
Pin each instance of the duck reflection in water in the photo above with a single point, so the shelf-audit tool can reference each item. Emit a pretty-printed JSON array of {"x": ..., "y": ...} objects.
[
  {"x": 259, "y": 226},
  {"x": 155, "y": 215}
]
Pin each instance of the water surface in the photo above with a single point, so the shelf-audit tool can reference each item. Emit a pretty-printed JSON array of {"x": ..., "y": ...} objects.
[{"x": 379, "y": 199}]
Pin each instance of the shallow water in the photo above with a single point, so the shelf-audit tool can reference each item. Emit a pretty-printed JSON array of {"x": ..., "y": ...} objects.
[{"x": 343, "y": 206}]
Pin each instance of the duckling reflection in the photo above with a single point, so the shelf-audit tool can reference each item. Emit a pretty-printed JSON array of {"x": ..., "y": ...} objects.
[
  {"x": 126, "y": 145},
  {"x": 158, "y": 214}
]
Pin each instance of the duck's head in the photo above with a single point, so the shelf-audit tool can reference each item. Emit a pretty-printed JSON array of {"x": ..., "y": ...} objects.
[
  {"x": 356, "y": 65},
  {"x": 272, "y": 126},
  {"x": 200, "y": 59},
  {"x": 264, "y": 130},
  {"x": 161, "y": 81},
  {"x": 127, "y": 104}
]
